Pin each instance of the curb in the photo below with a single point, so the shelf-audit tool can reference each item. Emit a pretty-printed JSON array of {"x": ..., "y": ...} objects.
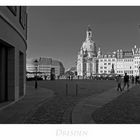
[{"x": 82, "y": 113}]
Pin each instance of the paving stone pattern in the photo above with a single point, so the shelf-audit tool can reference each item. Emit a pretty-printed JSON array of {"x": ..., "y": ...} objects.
[{"x": 53, "y": 110}]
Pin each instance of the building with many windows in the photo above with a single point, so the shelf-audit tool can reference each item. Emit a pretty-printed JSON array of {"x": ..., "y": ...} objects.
[
  {"x": 45, "y": 66},
  {"x": 13, "y": 36},
  {"x": 106, "y": 63},
  {"x": 92, "y": 62},
  {"x": 121, "y": 61},
  {"x": 136, "y": 60}
]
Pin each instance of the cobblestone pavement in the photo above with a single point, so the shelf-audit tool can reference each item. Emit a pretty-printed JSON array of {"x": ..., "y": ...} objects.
[
  {"x": 16, "y": 112},
  {"x": 123, "y": 110},
  {"x": 82, "y": 113},
  {"x": 56, "y": 110}
]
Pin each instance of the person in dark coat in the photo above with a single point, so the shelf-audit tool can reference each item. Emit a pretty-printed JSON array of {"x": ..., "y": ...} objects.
[
  {"x": 136, "y": 80},
  {"x": 119, "y": 81},
  {"x": 126, "y": 81},
  {"x": 132, "y": 79}
]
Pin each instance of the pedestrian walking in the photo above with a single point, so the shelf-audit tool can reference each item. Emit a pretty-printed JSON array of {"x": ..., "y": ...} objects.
[
  {"x": 136, "y": 80},
  {"x": 132, "y": 79},
  {"x": 126, "y": 81},
  {"x": 78, "y": 77},
  {"x": 119, "y": 81}
]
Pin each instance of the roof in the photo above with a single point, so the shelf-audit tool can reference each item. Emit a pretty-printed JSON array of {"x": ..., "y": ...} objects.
[
  {"x": 48, "y": 61},
  {"x": 127, "y": 54}
]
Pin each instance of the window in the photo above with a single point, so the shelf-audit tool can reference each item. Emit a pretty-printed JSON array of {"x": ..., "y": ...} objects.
[
  {"x": 23, "y": 17},
  {"x": 105, "y": 67},
  {"x": 105, "y": 63},
  {"x": 101, "y": 67},
  {"x": 109, "y": 63},
  {"x": 13, "y": 9}
]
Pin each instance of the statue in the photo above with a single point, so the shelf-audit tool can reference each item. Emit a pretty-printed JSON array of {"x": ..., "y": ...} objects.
[{"x": 112, "y": 70}]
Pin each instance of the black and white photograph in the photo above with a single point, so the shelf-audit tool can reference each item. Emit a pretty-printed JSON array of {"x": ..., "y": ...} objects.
[{"x": 69, "y": 65}]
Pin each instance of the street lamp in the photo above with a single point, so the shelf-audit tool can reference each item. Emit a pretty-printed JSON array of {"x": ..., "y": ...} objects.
[{"x": 36, "y": 68}]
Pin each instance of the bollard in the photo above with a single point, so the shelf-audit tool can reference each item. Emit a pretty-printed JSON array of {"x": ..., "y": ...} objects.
[
  {"x": 36, "y": 84},
  {"x": 76, "y": 89},
  {"x": 66, "y": 89}
]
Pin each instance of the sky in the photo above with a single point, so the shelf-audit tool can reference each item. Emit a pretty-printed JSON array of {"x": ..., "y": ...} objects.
[{"x": 59, "y": 32}]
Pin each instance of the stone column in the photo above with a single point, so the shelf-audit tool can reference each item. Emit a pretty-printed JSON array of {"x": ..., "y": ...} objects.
[
  {"x": 81, "y": 67},
  {"x": 93, "y": 66},
  {"x": 88, "y": 68}
]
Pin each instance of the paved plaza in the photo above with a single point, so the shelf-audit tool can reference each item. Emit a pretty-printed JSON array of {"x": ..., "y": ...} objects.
[
  {"x": 122, "y": 110},
  {"x": 82, "y": 113},
  {"x": 55, "y": 103},
  {"x": 16, "y": 112}
]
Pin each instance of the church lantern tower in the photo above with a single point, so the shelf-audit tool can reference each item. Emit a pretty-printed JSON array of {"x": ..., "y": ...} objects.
[{"x": 89, "y": 33}]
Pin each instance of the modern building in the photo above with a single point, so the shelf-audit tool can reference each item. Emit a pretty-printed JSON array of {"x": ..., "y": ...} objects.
[
  {"x": 87, "y": 56},
  {"x": 92, "y": 62},
  {"x": 13, "y": 36},
  {"x": 45, "y": 66}
]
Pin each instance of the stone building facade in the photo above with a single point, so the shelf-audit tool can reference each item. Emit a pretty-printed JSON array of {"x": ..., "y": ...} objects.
[
  {"x": 107, "y": 63},
  {"x": 91, "y": 61},
  {"x": 87, "y": 56},
  {"x": 123, "y": 62},
  {"x": 13, "y": 36}
]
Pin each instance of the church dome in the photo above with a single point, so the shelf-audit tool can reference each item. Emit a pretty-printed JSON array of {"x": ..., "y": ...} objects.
[{"x": 89, "y": 46}]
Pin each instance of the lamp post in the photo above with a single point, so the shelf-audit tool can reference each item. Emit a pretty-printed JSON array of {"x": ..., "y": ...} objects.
[{"x": 36, "y": 68}]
